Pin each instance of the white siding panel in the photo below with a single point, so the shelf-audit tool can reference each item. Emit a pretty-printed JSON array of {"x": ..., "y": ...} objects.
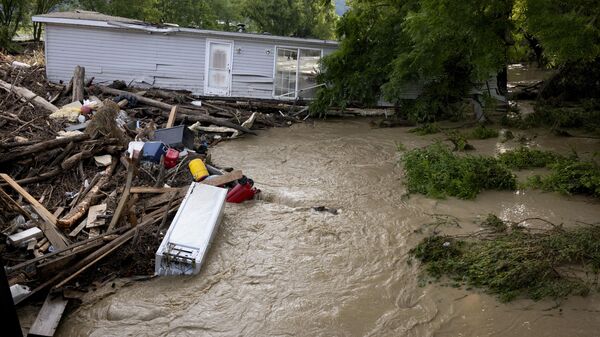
[{"x": 168, "y": 61}]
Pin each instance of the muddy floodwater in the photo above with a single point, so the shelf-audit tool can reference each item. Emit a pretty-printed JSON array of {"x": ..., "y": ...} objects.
[{"x": 279, "y": 268}]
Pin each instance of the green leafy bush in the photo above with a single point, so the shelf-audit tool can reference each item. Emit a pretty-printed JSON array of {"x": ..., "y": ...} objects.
[
  {"x": 481, "y": 132},
  {"x": 570, "y": 177},
  {"x": 516, "y": 262},
  {"x": 524, "y": 157},
  {"x": 437, "y": 172},
  {"x": 426, "y": 129}
]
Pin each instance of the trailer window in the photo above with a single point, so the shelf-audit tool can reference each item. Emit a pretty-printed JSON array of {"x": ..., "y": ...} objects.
[{"x": 296, "y": 72}]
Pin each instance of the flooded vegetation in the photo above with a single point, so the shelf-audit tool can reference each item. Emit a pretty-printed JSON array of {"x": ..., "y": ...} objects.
[{"x": 278, "y": 267}]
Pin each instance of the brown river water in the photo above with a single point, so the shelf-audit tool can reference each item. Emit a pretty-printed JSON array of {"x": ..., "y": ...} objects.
[{"x": 279, "y": 268}]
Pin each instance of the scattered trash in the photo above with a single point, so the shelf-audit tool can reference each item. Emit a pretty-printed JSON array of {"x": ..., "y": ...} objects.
[
  {"x": 326, "y": 209},
  {"x": 171, "y": 158},
  {"x": 103, "y": 161},
  {"x": 19, "y": 291},
  {"x": 243, "y": 191},
  {"x": 153, "y": 151},
  {"x": 198, "y": 169},
  {"x": 178, "y": 137},
  {"x": 24, "y": 236}
]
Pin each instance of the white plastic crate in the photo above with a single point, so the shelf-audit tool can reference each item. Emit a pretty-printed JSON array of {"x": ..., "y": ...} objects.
[{"x": 187, "y": 240}]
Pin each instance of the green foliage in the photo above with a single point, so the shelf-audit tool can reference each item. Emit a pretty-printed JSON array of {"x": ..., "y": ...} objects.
[
  {"x": 459, "y": 141},
  {"x": 12, "y": 14},
  {"x": 426, "y": 129},
  {"x": 389, "y": 46},
  {"x": 569, "y": 31},
  {"x": 570, "y": 177},
  {"x": 514, "y": 262},
  {"x": 481, "y": 132},
  {"x": 586, "y": 116},
  {"x": 437, "y": 172},
  {"x": 301, "y": 18},
  {"x": 524, "y": 157}
]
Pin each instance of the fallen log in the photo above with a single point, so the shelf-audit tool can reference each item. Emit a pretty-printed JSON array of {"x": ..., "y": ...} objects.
[
  {"x": 46, "y": 145},
  {"x": 191, "y": 115},
  {"x": 80, "y": 209},
  {"x": 29, "y": 96}
]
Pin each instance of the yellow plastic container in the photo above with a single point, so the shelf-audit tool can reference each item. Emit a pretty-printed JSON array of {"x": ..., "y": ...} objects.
[{"x": 198, "y": 169}]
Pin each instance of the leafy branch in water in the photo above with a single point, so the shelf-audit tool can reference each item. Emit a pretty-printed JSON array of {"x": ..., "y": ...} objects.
[
  {"x": 570, "y": 177},
  {"x": 437, "y": 172},
  {"x": 524, "y": 157},
  {"x": 509, "y": 260}
]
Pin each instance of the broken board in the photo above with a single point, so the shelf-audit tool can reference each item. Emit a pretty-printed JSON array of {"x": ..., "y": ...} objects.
[
  {"x": 49, "y": 316},
  {"x": 187, "y": 240}
]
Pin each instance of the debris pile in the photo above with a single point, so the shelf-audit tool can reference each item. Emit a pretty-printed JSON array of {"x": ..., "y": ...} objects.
[{"x": 89, "y": 169}]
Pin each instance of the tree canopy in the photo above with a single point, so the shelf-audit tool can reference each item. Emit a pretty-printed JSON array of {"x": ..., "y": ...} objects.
[{"x": 446, "y": 47}]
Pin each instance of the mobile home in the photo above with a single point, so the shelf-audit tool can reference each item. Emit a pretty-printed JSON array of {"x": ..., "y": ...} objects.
[{"x": 205, "y": 62}]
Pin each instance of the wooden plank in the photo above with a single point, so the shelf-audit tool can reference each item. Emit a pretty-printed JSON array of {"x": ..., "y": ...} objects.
[
  {"x": 49, "y": 224},
  {"x": 92, "y": 219},
  {"x": 153, "y": 190},
  {"x": 172, "y": 115},
  {"x": 124, "y": 196},
  {"x": 224, "y": 179},
  {"x": 49, "y": 316},
  {"x": 78, "y": 229},
  {"x": 13, "y": 203},
  {"x": 39, "y": 208}
]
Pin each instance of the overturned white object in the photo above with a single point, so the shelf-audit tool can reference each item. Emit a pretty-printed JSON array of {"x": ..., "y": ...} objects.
[{"x": 187, "y": 240}]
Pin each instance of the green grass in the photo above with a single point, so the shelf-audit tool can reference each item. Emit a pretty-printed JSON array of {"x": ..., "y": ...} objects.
[{"x": 437, "y": 172}]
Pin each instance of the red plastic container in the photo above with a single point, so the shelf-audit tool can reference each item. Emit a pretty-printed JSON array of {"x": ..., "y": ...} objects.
[
  {"x": 171, "y": 158},
  {"x": 241, "y": 192}
]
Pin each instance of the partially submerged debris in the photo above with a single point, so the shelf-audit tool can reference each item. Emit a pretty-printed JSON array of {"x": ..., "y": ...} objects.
[
  {"x": 510, "y": 260},
  {"x": 73, "y": 194}
]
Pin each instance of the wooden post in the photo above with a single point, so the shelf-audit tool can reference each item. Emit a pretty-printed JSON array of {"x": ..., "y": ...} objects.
[
  {"x": 172, "y": 115},
  {"x": 78, "y": 84}
]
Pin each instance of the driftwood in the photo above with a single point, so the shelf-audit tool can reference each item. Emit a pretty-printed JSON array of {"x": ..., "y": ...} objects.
[
  {"x": 79, "y": 210},
  {"x": 48, "y": 226},
  {"x": 42, "y": 146},
  {"x": 78, "y": 84},
  {"x": 191, "y": 115},
  {"x": 29, "y": 96},
  {"x": 125, "y": 196}
]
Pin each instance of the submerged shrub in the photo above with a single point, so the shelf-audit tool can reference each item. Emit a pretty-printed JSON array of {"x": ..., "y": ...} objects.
[
  {"x": 570, "y": 177},
  {"x": 524, "y": 157},
  {"x": 516, "y": 262},
  {"x": 481, "y": 132},
  {"x": 437, "y": 172},
  {"x": 426, "y": 129}
]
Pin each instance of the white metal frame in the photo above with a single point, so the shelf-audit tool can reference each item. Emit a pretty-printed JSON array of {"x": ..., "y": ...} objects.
[
  {"x": 296, "y": 90},
  {"x": 207, "y": 65}
]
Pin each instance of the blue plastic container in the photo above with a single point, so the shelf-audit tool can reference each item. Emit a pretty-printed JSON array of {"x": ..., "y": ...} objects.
[{"x": 152, "y": 151}]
